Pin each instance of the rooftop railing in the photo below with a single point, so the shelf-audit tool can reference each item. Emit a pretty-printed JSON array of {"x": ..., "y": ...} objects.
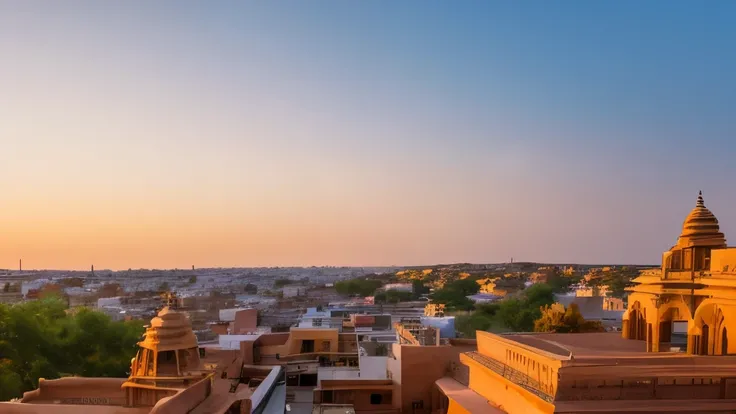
[{"x": 517, "y": 377}]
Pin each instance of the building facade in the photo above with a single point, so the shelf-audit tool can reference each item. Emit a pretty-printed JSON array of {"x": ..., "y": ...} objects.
[{"x": 695, "y": 287}]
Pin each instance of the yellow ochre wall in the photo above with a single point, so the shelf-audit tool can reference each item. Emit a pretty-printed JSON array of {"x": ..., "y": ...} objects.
[
  {"x": 539, "y": 367},
  {"x": 502, "y": 393},
  {"x": 455, "y": 408},
  {"x": 720, "y": 258}
]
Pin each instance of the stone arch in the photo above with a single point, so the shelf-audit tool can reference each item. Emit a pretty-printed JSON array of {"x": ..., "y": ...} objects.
[
  {"x": 710, "y": 328},
  {"x": 637, "y": 322},
  {"x": 722, "y": 321},
  {"x": 674, "y": 309}
]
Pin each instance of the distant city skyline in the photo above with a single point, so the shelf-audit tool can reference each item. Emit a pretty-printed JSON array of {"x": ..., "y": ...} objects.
[{"x": 164, "y": 134}]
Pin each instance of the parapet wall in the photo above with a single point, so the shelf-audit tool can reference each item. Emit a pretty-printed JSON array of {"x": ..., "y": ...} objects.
[
  {"x": 261, "y": 394},
  {"x": 523, "y": 362},
  {"x": 76, "y": 390},
  {"x": 186, "y": 400}
]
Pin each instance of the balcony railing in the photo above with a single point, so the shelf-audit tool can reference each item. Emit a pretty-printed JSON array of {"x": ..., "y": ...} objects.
[
  {"x": 517, "y": 377},
  {"x": 685, "y": 275}
]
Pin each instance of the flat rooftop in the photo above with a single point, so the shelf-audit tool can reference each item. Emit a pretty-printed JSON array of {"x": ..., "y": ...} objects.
[
  {"x": 584, "y": 344},
  {"x": 592, "y": 353}
]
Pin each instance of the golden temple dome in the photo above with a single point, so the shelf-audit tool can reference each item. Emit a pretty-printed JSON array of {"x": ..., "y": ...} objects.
[
  {"x": 701, "y": 228},
  {"x": 170, "y": 330}
]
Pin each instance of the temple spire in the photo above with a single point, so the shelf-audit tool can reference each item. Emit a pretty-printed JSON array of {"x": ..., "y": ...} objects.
[{"x": 700, "y": 202}]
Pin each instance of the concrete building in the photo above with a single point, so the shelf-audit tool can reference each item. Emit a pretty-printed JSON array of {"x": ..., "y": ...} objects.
[
  {"x": 400, "y": 287},
  {"x": 484, "y": 298},
  {"x": 412, "y": 367}
]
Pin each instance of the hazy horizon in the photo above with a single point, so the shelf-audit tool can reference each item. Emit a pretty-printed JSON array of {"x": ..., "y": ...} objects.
[
  {"x": 165, "y": 134},
  {"x": 426, "y": 265}
]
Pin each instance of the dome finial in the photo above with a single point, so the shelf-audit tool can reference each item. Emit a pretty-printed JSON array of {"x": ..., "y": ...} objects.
[{"x": 700, "y": 202}]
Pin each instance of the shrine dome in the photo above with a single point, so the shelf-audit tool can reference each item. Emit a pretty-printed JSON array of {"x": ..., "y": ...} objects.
[{"x": 701, "y": 228}]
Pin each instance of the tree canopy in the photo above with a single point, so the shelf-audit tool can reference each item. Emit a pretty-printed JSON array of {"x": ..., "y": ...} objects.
[
  {"x": 393, "y": 296},
  {"x": 40, "y": 339},
  {"x": 251, "y": 288},
  {"x": 617, "y": 280},
  {"x": 361, "y": 287},
  {"x": 418, "y": 288},
  {"x": 555, "y": 318},
  {"x": 279, "y": 283},
  {"x": 454, "y": 295},
  {"x": 513, "y": 314}
]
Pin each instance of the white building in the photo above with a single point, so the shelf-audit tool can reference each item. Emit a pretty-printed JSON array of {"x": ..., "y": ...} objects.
[{"x": 401, "y": 287}]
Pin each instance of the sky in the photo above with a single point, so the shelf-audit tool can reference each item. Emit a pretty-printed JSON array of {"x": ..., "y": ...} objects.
[{"x": 139, "y": 134}]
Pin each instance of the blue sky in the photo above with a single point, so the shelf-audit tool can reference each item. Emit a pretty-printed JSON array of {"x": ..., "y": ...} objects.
[{"x": 338, "y": 132}]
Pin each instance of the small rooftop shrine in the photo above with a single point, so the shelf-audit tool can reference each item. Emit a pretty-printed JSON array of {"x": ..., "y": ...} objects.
[{"x": 167, "y": 361}]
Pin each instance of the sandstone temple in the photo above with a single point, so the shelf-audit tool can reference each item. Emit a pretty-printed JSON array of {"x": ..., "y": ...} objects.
[{"x": 696, "y": 286}]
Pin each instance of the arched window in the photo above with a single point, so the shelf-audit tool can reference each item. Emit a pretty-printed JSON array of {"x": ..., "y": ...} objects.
[
  {"x": 724, "y": 342},
  {"x": 704, "y": 345}
]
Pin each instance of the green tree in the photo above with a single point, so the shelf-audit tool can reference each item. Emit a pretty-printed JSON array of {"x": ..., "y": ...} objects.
[
  {"x": 454, "y": 295},
  {"x": 192, "y": 279},
  {"x": 538, "y": 295},
  {"x": 279, "y": 283},
  {"x": 360, "y": 287},
  {"x": 163, "y": 287},
  {"x": 395, "y": 296},
  {"x": 555, "y": 318},
  {"x": 11, "y": 384},
  {"x": 485, "y": 318},
  {"x": 519, "y": 313},
  {"x": 41, "y": 339},
  {"x": 418, "y": 288},
  {"x": 560, "y": 282},
  {"x": 251, "y": 289},
  {"x": 380, "y": 297}
]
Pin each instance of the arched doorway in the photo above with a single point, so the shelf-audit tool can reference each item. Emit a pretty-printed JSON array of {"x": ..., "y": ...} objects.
[
  {"x": 724, "y": 341},
  {"x": 637, "y": 325},
  {"x": 704, "y": 340}
]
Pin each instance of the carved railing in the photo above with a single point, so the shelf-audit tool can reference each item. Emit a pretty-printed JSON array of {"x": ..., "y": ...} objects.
[{"x": 517, "y": 377}]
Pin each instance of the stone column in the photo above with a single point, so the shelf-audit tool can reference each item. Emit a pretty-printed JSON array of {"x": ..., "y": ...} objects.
[{"x": 655, "y": 336}]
